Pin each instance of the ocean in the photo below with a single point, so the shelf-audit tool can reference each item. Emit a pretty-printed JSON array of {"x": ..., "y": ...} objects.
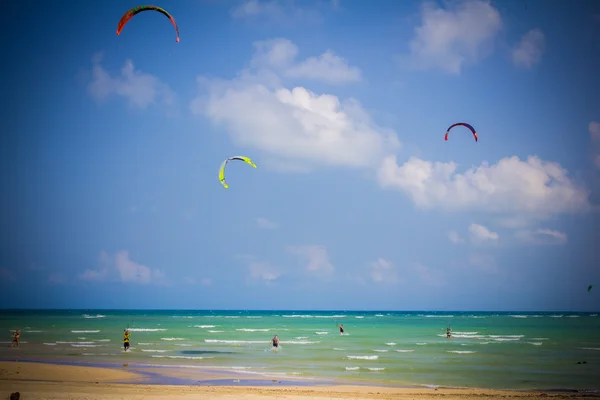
[{"x": 488, "y": 349}]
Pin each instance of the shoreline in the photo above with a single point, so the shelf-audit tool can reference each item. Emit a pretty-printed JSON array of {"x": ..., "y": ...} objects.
[{"x": 198, "y": 378}]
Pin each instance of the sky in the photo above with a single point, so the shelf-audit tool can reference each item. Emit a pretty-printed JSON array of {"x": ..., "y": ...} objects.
[{"x": 112, "y": 145}]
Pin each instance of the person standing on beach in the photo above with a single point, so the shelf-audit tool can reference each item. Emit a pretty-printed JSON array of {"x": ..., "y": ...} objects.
[
  {"x": 126, "y": 336},
  {"x": 16, "y": 337}
]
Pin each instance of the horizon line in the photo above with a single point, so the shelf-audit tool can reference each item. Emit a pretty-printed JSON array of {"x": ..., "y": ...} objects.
[{"x": 292, "y": 310}]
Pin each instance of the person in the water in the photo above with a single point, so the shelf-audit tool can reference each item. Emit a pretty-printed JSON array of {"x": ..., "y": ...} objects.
[
  {"x": 275, "y": 341},
  {"x": 126, "y": 337},
  {"x": 341, "y": 329},
  {"x": 16, "y": 337},
  {"x": 448, "y": 332}
]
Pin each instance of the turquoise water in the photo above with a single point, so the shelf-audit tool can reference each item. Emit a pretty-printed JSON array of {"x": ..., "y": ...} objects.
[{"x": 489, "y": 350}]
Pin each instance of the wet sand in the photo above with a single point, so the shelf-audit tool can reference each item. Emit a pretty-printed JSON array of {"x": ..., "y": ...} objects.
[{"x": 61, "y": 382}]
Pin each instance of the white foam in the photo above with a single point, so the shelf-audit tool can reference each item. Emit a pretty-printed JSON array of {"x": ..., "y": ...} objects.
[
  {"x": 465, "y": 333},
  {"x": 254, "y": 317},
  {"x": 375, "y": 369},
  {"x": 336, "y": 349},
  {"x": 232, "y": 316},
  {"x": 461, "y": 351},
  {"x": 556, "y": 316},
  {"x": 301, "y": 337},
  {"x": 322, "y": 333},
  {"x": 146, "y": 329},
  {"x": 535, "y": 343},
  {"x": 352, "y": 368},
  {"x": 590, "y": 348},
  {"x": 362, "y": 357},
  {"x": 103, "y": 340},
  {"x": 145, "y": 344},
  {"x": 204, "y": 326},
  {"x": 518, "y": 316},
  {"x": 50, "y": 344},
  {"x": 86, "y": 345},
  {"x": 505, "y": 339},
  {"x": 506, "y": 336},
  {"x": 359, "y": 316},
  {"x": 93, "y": 316},
  {"x": 183, "y": 345},
  {"x": 171, "y": 338},
  {"x": 33, "y": 331},
  {"x": 379, "y": 315},
  {"x": 235, "y": 341},
  {"x": 572, "y": 316},
  {"x": 390, "y": 344},
  {"x": 540, "y": 338},
  {"x": 85, "y": 331},
  {"x": 215, "y": 331},
  {"x": 252, "y": 330},
  {"x": 439, "y": 316},
  {"x": 403, "y": 351},
  {"x": 421, "y": 344},
  {"x": 154, "y": 351},
  {"x": 183, "y": 357},
  {"x": 380, "y": 351}
]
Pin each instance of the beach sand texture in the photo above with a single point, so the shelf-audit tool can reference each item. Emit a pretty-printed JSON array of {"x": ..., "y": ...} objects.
[{"x": 47, "y": 381}]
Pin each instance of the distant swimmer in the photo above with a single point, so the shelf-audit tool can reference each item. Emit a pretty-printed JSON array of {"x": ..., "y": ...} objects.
[
  {"x": 126, "y": 337},
  {"x": 16, "y": 337},
  {"x": 341, "y": 329},
  {"x": 448, "y": 332},
  {"x": 275, "y": 342}
]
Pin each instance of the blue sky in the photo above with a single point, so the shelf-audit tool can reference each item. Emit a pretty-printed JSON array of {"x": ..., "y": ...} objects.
[{"x": 112, "y": 146}]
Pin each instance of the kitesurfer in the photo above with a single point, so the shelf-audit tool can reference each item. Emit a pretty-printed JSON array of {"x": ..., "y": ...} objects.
[
  {"x": 448, "y": 332},
  {"x": 341, "y": 329}
]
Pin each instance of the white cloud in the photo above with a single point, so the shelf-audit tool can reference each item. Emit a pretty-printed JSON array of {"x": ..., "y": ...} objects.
[
  {"x": 264, "y": 223},
  {"x": 383, "y": 271},
  {"x": 280, "y": 54},
  {"x": 140, "y": 89},
  {"x": 594, "y": 129},
  {"x": 542, "y": 237},
  {"x": 480, "y": 233},
  {"x": 316, "y": 258},
  {"x": 530, "y": 49},
  {"x": 296, "y": 129},
  {"x": 454, "y": 237},
  {"x": 123, "y": 269},
  {"x": 263, "y": 271},
  {"x": 282, "y": 12},
  {"x": 452, "y": 38},
  {"x": 511, "y": 185}
]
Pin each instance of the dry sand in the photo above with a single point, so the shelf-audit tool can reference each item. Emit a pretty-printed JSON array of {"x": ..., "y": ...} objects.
[{"x": 46, "y": 381}]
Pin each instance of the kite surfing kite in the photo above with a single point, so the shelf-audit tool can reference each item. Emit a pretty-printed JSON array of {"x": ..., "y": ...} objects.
[
  {"x": 136, "y": 10},
  {"x": 461, "y": 124},
  {"x": 222, "y": 169}
]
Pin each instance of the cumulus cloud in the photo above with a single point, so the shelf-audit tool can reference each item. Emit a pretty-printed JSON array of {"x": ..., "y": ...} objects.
[
  {"x": 383, "y": 271},
  {"x": 529, "y": 50},
  {"x": 449, "y": 39},
  {"x": 264, "y": 223},
  {"x": 281, "y": 12},
  {"x": 296, "y": 129},
  {"x": 140, "y": 89},
  {"x": 594, "y": 129},
  {"x": 280, "y": 54},
  {"x": 511, "y": 185},
  {"x": 480, "y": 233},
  {"x": 454, "y": 237},
  {"x": 123, "y": 269},
  {"x": 264, "y": 271},
  {"x": 316, "y": 258},
  {"x": 541, "y": 237}
]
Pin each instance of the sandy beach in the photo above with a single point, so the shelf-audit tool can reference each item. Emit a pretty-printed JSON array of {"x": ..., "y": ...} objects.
[{"x": 49, "y": 381}]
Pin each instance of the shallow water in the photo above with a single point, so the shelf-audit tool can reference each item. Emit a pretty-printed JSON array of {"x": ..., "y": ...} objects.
[{"x": 489, "y": 350}]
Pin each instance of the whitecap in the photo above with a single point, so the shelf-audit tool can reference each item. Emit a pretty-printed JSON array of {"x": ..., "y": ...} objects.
[{"x": 362, "y": 357}]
